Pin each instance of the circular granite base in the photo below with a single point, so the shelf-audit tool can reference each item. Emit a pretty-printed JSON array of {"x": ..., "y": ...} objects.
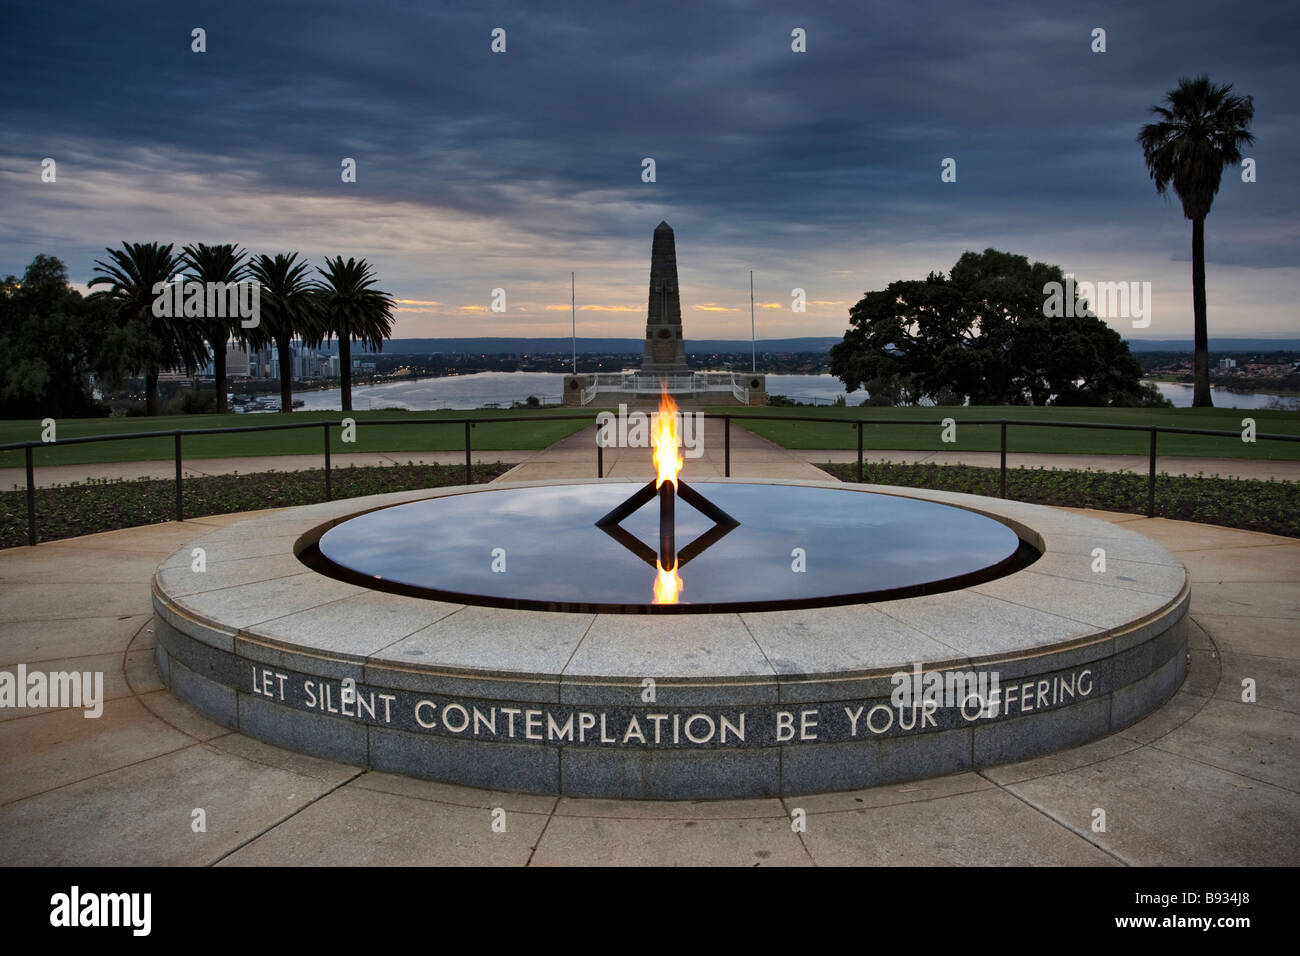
[{"x": 1083, "y": 642}]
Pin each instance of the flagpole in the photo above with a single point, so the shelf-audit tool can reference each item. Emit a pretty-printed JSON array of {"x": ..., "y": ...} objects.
[
  {"x": 573, "y": 314},
  {"x": 753, "y": 345}
]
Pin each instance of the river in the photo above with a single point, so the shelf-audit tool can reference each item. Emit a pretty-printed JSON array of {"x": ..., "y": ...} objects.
[{"x": 502, "y": 388}]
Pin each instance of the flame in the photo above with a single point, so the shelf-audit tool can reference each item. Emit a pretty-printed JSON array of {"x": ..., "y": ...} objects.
[
  {"x": 667, "y": 585},
  {"x": 667, "y": 458},
  {"x": 668, "y": 462}
]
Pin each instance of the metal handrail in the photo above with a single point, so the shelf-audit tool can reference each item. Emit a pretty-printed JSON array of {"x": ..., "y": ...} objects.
[
  {"x": 468, "y": 423},
  {"x": 1003, "y": 423},
  {"x": 282, "y": 426}
]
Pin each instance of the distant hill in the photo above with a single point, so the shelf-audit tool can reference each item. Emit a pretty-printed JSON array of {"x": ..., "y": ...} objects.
[{"x": 496, "y": 346}]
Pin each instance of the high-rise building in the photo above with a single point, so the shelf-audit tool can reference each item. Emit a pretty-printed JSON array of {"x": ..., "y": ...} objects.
[{"x": 237, "y": 360}]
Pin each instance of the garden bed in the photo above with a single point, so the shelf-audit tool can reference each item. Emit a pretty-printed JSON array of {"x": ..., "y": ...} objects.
[
  {"x": 1269, "y": 506},
  {"x": 67, "y": 511}
]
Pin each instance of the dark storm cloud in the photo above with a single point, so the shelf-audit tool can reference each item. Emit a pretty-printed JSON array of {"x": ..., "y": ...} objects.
[{"x": 754, "y": 144}]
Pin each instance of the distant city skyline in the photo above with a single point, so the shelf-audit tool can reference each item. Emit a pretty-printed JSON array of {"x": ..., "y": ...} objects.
[{"x": 818, "y": 170}]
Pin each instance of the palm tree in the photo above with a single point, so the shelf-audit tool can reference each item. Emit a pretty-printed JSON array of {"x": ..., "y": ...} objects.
[
  {"x": 224, "y": 264},
  {"x": 354, "y": 311},
  {"x": 1199, "y": 131},
  {"x": 289, "y": 308},
  {"x": 132, "y": 275}
]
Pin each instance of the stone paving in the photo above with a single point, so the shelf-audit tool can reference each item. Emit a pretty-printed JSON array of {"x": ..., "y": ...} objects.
[
  {"x": 751, "y": 457},
  {"x": 1206, "y": 779}
]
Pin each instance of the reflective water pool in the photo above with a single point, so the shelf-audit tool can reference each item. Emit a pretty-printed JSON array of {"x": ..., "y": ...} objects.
[{"x": 539, "y": 548}]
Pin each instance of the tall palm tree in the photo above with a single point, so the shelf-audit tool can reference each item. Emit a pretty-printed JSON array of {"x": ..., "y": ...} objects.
[
  {"x": 132, "y": 274},
  {"x": 1199, "y": 131},
  {"x": 354, "y": 311},
  {"x": 223, "y": 264},
  {"x": 289, "y": 308}
]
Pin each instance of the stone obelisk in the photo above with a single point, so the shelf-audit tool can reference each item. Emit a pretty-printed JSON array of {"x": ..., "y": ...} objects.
[{"x": 665, "y": 350}]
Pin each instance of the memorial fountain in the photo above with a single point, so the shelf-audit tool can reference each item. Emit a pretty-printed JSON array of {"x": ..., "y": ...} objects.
[{"x": 788, "y": 546}]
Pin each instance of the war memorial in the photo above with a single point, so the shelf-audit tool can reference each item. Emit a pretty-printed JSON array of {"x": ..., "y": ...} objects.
[{"x": 663, "y": 363}]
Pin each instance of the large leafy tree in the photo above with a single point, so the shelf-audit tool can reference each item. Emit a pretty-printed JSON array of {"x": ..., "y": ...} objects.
[
  {"x": 52, "y": 344},
  {"x": 132, "y": 273},
  {"x": 1198, "y": 131},
  {"x": 354, "y": 311},
  {"x": 289, "y": 308},
  {"x": 898, "y": 337},
  {"x": 981, "y": 335},
  {"x": 223, "y": 264}
]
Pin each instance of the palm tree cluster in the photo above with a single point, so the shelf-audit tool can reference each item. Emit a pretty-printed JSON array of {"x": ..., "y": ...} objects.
[{"x": 340, "y": 301}]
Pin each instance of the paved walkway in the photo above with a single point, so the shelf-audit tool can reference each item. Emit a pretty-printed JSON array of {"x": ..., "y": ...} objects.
[
  {"x": 1207, "y": 779},
  {"x": 751, "y": 456}
]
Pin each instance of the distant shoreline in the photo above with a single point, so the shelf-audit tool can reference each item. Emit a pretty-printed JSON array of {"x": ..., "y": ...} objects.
[
  {"x": 1154, "y": 379},
  {"x": 1280, "y": 392}
]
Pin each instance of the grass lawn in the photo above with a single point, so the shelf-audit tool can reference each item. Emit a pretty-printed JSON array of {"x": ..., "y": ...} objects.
[
  {"x": 501, "y": 436},
  {"x": 837, "y": 433}
]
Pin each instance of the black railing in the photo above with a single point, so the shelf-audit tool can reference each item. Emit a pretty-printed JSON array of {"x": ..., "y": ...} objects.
[
  {"x": 178, "y": 434},
  {"x": 859, "y": 424},
  {"x": 1003, "y": 423}
]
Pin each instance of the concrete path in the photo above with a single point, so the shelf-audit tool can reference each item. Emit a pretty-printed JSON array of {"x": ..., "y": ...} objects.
[
  {"x": 1207, "y": 779},
  {"x": 1261, "y": 469},
  {"x": 751, "y": 456},
  {"x": 48, "y": 476}
]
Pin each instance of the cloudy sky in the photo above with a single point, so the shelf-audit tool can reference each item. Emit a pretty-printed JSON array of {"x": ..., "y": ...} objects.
[{"x": 817, "y": 170}]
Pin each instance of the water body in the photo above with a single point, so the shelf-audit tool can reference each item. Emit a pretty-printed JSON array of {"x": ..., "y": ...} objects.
[
  {"x": 825, "y": 389},
  {"x": 1181, "y": 396},
  {"x": 452, "y": 391},
  {"x": 502, "y": 388}
]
